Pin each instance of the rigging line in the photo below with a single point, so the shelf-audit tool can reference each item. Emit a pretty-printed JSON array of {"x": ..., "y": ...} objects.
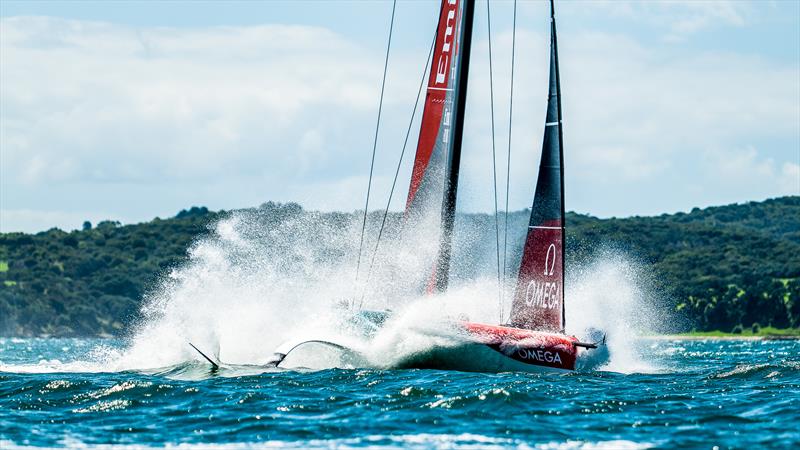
[
  {"x": 508, "y": 158},
  {"x": 375, "y": 142},
  {"x": 494, "y": 162},
  {"x": 397, "y": 170}
]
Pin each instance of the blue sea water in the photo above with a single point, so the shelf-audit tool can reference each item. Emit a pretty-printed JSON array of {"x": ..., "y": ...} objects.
[{"x": 694, "y": 394}]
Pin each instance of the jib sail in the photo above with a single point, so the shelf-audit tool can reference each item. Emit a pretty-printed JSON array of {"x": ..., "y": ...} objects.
[{"x": 539, "y": 297}]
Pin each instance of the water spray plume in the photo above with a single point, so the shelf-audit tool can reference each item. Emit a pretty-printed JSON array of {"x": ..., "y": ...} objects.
[{"x": 265, "y": 276}]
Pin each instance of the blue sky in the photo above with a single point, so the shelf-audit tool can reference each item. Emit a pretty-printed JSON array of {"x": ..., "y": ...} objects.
[{"x": 130, "y": 110}]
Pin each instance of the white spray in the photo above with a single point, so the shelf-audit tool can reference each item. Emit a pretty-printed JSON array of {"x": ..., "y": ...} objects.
[{"x": 261, "y": 278}]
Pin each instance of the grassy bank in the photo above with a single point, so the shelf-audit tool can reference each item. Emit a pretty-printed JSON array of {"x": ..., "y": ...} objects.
[{"x": 765, "y": 332}]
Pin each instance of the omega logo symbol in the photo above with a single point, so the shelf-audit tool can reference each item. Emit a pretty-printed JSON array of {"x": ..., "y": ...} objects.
[{"x": 548, "y": 261}]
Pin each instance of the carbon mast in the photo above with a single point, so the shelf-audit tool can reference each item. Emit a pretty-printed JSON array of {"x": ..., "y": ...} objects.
[
  {"x": 442, "y": 269},
  {"x": 434, "y": 177}
]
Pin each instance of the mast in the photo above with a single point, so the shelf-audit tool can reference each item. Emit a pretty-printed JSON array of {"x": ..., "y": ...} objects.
[
  {"x": 561, "y": 156},
  {"x": 434, "y": 177},
  {"x": 539, "y": 296},
  {"x": 442, "y": 269}
]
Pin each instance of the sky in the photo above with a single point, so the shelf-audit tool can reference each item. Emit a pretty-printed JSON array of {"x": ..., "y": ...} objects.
[{"x": 129, "y": 110}]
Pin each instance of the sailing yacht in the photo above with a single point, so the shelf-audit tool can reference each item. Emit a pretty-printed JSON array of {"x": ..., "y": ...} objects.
[{"x": 534, "y": 337}]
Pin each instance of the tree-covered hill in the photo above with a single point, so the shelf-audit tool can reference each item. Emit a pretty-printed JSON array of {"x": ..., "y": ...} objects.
[
  {"x": 90, "y": 281},
  {"x": 721, "y": 268}
]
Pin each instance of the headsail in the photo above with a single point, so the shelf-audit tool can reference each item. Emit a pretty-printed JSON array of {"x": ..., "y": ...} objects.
[
  {"x": 539, "y": 297},
  {"x": 434, "y": 177}
]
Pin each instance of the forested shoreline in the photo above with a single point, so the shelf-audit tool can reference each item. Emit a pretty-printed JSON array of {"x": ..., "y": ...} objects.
[{"x": 725, "y": 268}]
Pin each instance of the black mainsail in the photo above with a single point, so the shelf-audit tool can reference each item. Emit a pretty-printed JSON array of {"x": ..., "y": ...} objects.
[{"x": 539, "y": 296}]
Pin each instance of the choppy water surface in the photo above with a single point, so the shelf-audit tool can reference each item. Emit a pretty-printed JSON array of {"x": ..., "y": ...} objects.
[{"x": 695, "y": 394}]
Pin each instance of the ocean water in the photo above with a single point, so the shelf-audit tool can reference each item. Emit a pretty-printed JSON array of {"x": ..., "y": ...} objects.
[
  {"x": 68, "y": 393},
  {"x": 251, "y": 285}
]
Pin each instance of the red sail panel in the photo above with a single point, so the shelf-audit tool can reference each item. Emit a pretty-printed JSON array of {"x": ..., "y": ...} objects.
[
  {"x": 539, "y": 297},
  {"x": 427, "y": 177}
]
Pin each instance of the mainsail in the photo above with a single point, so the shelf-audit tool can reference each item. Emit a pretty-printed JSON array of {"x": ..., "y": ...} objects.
[
  {"x": 434, "y": 177},
  {"x": 539, "y": 297}
]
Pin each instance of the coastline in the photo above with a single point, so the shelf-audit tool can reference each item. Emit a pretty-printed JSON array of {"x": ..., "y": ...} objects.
[{"x": 685, "y": 337}]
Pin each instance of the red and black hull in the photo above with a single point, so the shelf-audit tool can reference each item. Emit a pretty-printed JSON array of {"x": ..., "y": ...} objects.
[{"x": 497, "y": 348}]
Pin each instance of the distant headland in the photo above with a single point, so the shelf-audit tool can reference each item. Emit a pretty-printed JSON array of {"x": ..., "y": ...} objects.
[{"x": 734, "y": 268}]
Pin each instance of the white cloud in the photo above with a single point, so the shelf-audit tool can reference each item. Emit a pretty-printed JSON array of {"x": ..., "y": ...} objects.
[
  {"x": 742, "y": 164},
  {"x": 38, "y": 220},
  {"x": 790, "y": 178},
  {"x": 736, "y": 172},
  {"x": 234, "y": 116},
  {"x": 643, "y": 119},
  {"x": 95, "y": 101},
  {"x": 675, "y": 21},
  {"x": 703, "y": 15}
]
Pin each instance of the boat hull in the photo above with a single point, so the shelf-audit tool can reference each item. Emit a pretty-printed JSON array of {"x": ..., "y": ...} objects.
[
  {"x": 471, "y": 357},
  {"x": 496, "y": 348},
  {"x": 473, "y": 347}
]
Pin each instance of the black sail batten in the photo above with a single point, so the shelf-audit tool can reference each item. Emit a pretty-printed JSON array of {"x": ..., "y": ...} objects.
[
  {"x": 442, "y": 267},
  {"x": 539, "y": 296}
]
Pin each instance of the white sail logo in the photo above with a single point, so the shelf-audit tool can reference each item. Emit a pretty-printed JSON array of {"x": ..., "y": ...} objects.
[
  {"x": 550, "y": 251},
  {"x": 544, "y": 294},
  {"x": 444, "y": 58}
]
